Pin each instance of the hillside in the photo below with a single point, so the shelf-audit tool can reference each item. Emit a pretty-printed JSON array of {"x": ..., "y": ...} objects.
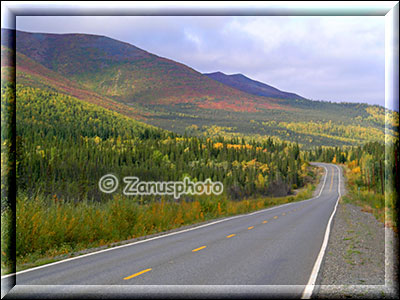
[
  {"x": 161, "y": 92},
  {"x": 31, "y": 73},
  {"x": 88, "y": 111},
  {"x": 65, "y": 146},
  {"x": 120, "y": 70},
  {"x": 247, "y": 85}
]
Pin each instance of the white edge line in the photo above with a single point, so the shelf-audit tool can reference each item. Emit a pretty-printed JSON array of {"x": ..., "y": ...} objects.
[
  {"x": 313, "y": 277},
  {"x": 326, "y": 175},
  {"x": 158, "y": 237}
]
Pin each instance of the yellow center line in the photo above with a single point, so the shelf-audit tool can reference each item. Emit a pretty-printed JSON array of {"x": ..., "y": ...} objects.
[
  {"x": 251, "y": 227},
  {"x": 202, "y": 247},
  {"x": 137, "y": 274},
  {"x": 231, "y": 235},
  {"x": 276, "y": 217},
  {"x": 265, "y": 222},
  {"x": 330, "y": 187}
]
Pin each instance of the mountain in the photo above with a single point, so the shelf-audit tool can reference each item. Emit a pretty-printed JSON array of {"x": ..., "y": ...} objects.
[
  {"x": 126, "y": 79},
  {"x": 250, "y": 86},
  {"x": 120, "y": 70}
]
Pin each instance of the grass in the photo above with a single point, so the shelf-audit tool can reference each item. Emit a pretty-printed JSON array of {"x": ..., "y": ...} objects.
[
  {"x": 381, "y": 206},
  {"x": 53, "y": 230}
]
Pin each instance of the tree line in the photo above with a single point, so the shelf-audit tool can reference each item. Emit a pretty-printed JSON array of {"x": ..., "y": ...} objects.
[{"x": 64, "y": 146}]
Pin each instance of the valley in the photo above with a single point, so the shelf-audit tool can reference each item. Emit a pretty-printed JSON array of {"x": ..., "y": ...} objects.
[
  {"x": 158, "y": 91},
  {"x": 77, "y": 107}
]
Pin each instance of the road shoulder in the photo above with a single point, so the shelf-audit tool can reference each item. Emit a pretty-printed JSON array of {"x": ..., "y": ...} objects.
[{"x": 354, "y": 265}]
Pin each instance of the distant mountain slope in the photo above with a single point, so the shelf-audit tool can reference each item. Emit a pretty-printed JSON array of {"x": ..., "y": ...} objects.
[
  {"x": 247, "y": 85},
  {"x": 130, "y": 74},
  {"x": 33, "y": 74},
  {"x": 172, "y": 96}
]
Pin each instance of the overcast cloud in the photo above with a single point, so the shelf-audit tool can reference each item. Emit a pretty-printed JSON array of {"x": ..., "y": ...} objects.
[{"x": 321, "y": 58}]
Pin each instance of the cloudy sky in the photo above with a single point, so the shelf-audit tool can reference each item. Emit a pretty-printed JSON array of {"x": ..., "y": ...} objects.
[{"x": 322, "y": 58}]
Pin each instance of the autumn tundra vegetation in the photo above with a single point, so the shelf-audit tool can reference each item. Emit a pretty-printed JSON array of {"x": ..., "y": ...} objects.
[
  {"x": 101, "y": 106},
  {"x": 65, "y": 145}
]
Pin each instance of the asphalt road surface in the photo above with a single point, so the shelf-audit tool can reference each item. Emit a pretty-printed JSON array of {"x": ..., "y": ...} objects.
[{"x": 274, "y": 251}]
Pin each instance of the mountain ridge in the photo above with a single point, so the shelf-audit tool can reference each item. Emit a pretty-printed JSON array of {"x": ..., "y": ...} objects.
[
  {"x": 170, "y": 95},
  {"x": 130, "y": 74},
  {"x": 251, "y": 86}
]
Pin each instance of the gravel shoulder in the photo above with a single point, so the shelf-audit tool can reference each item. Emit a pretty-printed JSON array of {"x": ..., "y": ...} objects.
[{"x": 361, "y": 260}]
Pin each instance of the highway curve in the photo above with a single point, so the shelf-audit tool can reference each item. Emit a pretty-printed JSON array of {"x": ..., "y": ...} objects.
[{"x": 272, "y": 252}]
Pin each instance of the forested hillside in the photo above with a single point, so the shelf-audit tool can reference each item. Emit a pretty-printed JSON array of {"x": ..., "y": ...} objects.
[
  {"x": 87, "y": 106},
  {"x": 65, "y": 145},
  {"x": 167, "y": 94}
]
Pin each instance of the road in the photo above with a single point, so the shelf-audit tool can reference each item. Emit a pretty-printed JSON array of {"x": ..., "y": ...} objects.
[{"x": 268, "y": 252}]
